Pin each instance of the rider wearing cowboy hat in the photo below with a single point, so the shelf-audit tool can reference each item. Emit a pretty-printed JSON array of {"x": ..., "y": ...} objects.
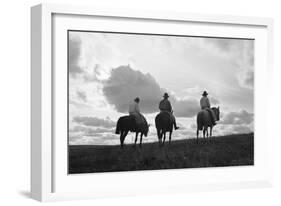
[
  {"x": 165, "y": 106},
  {"x": 205, "y": 104},
  {"x": 204, "y": 101}
]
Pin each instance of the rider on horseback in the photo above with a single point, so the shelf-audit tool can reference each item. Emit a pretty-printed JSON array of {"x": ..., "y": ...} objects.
[
  {"x": 134, "y": 110},
  {"x": 165, "y": 106},
  {"x": 205, "y": 104}
]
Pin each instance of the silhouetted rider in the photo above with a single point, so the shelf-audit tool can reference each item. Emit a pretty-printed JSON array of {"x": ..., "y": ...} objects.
[
  {"x": 205, "y": 104},
  {"x": 165, "y": 106},
  {"x": 134, "y": 110}
]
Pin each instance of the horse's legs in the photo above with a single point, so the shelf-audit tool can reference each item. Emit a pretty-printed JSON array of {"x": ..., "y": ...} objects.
[
  {"x": 164, "y": 137},
  {"x": 122, "y": 137},
  {"x": 211, "y": 131},
  {"x": 141, "y": 139},
  {"x": 159, "y": 133},
  {"x": 136, "y": 139},
  {"x": 170, "y": 137},
  {"x": 197, "y": 134}
]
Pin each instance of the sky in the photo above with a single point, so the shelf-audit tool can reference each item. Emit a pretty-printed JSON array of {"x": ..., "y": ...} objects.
[{"x": 107, "y": 71}]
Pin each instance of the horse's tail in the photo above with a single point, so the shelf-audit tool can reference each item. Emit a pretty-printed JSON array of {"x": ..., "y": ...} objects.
[
  {"x": 200, "y": 121},
  {"x": 163, "y": 122},
  {"x": 157, "y": 124},
  {"x": 118, "y": 127}
]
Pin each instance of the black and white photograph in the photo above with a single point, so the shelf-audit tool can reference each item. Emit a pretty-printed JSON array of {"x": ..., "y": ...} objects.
[{"x": 139, "y": 101}]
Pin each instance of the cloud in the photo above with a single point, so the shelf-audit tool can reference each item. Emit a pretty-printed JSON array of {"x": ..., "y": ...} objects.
[
  {"x": 93, "y": 75},
  {"x": 241, "y": 52},
  {"x": 238, "y": 118},
  {"x": 187, "y": 134},
  {"x": 246, "y": 78},
  {"x": 91, "y": 131},
  {"x": 82, "y": 95},
  {"x": 98, "y": 139},
  {"x": 222, "y": 44},
  {"x": 80, "y": 105},
  {"x": 94, "y": 121},
  {"x": 185, "y": 107},
  {"x": 214, "y": 101},
  {"x": 193, "y": 126},
  {"x": 196, "y": 92},
  {"x": 125, "y": 84},
  {"x": 241, "y": 129},
  {"x": 182, "y": 127},
  {"x": 74, "y": 49}
]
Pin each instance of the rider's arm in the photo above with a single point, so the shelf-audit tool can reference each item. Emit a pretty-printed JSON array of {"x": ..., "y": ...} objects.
[
  {"x": 208, "y": 103},
  {"x": 137, "y": 108},
  {"x": 169, "y": 107},
  {"x": 160, "y": 106}
]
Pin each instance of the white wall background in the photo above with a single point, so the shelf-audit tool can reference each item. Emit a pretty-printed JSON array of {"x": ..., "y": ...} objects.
[{"x": 15, "y": 101}]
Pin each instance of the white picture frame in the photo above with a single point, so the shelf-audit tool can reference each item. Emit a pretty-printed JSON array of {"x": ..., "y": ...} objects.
[{"x": 48, "y": 179}]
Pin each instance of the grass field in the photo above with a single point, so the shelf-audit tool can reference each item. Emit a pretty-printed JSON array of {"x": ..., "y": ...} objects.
[{"x": 230, "y": 150}]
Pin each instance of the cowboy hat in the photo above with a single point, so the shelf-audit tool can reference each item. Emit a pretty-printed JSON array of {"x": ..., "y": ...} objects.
[
  {"x": 205, "y": 93},
  {"x": 166, "y": 95}
]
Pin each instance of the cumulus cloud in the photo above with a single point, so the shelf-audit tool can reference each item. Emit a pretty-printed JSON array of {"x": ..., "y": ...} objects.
[
  {"x": 74, "y": 53},
  {"x": 90, "y": 131},
  {"x": 125, "y": 84},
  {"x": 223, "y": 44},
  {"x": 241, "y": 129},
  {"x": 185, "y": 107},
  {"x": 97, "y": 139},
  {"x": 94, "y": 75},
  {"x": 242, "y": 54},
  {"x": 246, "y": 78},
  {"x": 186, "y": 134},
  {"x": 193, "y": 126},
  {"x": 196, "y": 92},
  {"x": 214, "y": 101},
  {"x": 94, "y": 121},
  {"x": 238, "y": 118},
  {"x": 245, "y": 63},
  {"x": 82, "y": 95}
]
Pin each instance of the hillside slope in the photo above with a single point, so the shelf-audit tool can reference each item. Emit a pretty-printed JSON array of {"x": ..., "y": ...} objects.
[{"x": 230, "y": 150}]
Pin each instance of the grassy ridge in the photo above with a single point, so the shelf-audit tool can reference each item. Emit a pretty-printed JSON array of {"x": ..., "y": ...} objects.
[{"x": 230, "y": 150}]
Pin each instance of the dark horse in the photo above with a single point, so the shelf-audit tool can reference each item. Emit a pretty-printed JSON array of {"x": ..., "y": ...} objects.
[
  {"x": 163, "y": 124},
  {"x": 204, "y": 121},
  {"x": 128, "y": 123}
]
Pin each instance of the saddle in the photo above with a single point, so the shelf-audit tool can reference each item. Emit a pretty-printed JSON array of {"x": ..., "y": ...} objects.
[
  {"x": 139, "y": 122},
  {"x": 212, "y": 115},
  {"x": 168, "y": 114}
]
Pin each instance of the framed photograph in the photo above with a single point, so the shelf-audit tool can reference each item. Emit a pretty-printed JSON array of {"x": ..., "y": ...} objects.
[{"x": 136, "y": 102}]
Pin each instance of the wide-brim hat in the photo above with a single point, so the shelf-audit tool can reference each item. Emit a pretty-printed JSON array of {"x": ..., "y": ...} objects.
[
  {"x": 166, "y": 95},
  {"x": 205, "y": 93}
]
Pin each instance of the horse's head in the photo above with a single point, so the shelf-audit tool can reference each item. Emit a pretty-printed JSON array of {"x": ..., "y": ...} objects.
[{"x": 217, "y": 112}]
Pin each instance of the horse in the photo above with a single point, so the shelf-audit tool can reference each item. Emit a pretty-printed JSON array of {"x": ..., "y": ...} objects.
[
  {"x": 163, "y": 123},
  {"x": 128, "y": 123},
  {"x": 204, "y": 121}
]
